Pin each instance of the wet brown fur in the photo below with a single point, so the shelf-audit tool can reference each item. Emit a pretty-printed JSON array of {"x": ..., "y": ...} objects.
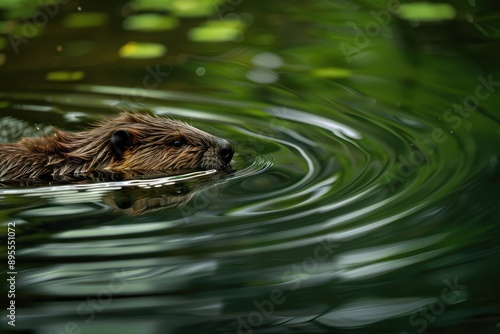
[{"x": 150, "y": 148}]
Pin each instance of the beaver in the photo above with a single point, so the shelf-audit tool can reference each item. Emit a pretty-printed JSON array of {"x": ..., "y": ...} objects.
[{"x": 129, "y": 142}]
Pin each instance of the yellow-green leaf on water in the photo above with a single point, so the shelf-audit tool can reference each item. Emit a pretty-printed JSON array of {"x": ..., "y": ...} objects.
[
  {"x": 85, "y": 20},
  {"x": 142, "y": 50},
  {"x": 186, "y": 8},
  {"x": 144, "y": 5},
  {"x": 331, "y": 72},
  {"x": 150, "y": 22},
  {"x": 426, "y": 11},
  {"x": 217, "y": 31},
  {"x": 193, "y": 7},
  {"x": 65, "y": 75}
]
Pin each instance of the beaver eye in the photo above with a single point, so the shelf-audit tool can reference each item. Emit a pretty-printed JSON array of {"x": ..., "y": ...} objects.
[{"x": 177, "y": 144}]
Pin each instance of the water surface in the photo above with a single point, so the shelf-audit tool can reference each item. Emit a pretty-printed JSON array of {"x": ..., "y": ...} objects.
[{"x": 365, "y": 197}]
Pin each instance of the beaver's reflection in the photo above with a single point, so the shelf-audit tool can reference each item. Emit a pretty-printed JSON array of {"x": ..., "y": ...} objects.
[
  {"x": 129, "y": 193},
  {"x": 138, "y": 201}
]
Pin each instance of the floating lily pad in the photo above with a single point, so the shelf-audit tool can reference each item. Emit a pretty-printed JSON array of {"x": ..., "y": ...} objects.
[
  {"x": 217, "y": 31},
  {"x": 142, "y": 50},
  {"x": 426, "y": 11},
  {"x": 65, "y": 75},
  {"x": 150, "y": 22},
  {"x": 193, "y": 7},
  {"x": 188, "y": 8},
  {"x": 85, "y": 20},
  {"x": 332, "y": 72}
]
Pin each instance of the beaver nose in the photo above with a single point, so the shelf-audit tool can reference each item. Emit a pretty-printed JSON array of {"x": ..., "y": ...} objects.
[{"x": 226, "y": 151}]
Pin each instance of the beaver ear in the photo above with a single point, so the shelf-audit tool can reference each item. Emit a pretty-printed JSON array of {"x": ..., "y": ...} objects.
[{"x": 120, "y": 140}]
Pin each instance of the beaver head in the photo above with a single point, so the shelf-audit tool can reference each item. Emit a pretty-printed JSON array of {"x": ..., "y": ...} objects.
[
  {"x": 141, "y": 142},
  {"x": 131, "y": 141}
]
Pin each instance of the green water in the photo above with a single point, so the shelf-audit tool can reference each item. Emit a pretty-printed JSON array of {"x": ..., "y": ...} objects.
[{"x": 365, "y": 197}]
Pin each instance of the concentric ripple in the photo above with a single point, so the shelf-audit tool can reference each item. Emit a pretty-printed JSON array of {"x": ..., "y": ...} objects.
[{"x": 331, "y": 197}]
